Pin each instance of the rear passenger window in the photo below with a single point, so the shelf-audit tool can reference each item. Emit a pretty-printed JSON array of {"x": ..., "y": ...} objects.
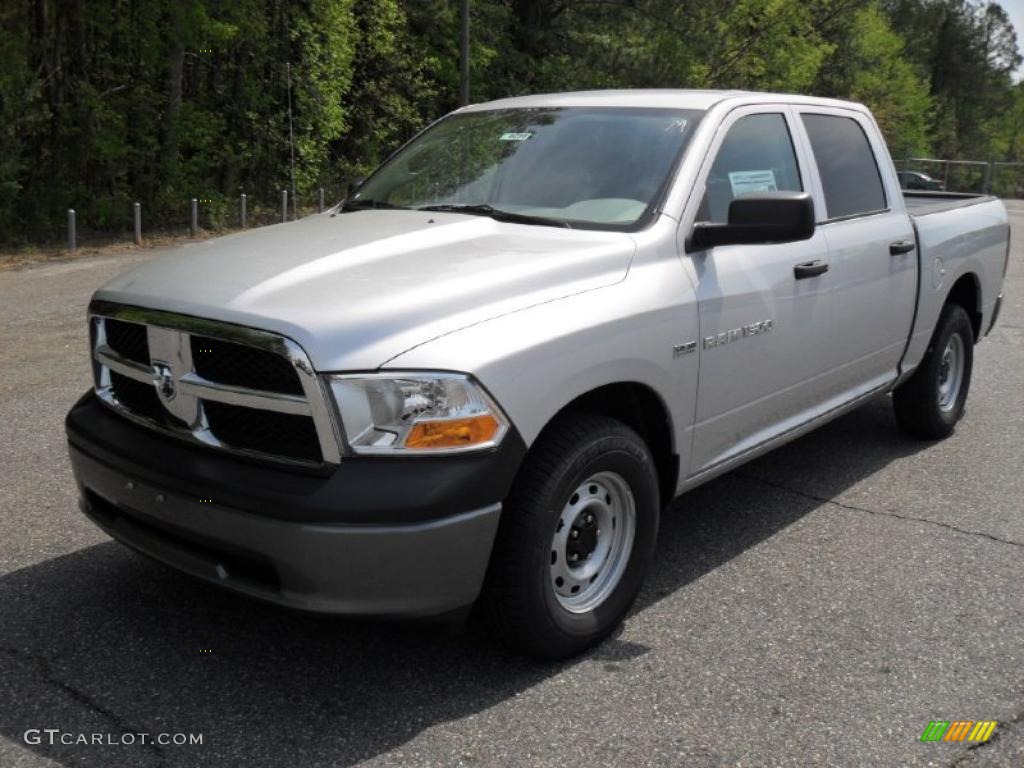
[
  {"x": 756, "y": 156},
  {"x": 849, "y": 171}
]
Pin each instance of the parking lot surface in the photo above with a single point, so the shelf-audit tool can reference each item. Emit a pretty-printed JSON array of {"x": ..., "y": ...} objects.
[{"x": 818, "y": 606}]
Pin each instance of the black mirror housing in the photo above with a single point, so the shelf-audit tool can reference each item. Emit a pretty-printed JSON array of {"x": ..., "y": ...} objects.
[{"x": 764, "y": 217}]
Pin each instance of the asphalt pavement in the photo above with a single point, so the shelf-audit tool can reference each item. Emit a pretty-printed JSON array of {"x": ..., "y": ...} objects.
[{"x": 818, "y": 606}]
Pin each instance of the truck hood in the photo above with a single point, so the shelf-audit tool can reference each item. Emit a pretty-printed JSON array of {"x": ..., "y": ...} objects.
[{"x": 359, "y": 288}]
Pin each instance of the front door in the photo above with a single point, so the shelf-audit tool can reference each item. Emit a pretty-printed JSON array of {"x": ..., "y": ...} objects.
[{"x": 766, "y": 318}]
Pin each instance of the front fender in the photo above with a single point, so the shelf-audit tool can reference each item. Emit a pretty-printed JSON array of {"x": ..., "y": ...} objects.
[{"x": 537, "y": 361}]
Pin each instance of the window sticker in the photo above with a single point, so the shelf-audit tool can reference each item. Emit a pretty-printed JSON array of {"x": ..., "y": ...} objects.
[
  {"x": 515, "y": 136},
  {"x": 744, "y": 182}
]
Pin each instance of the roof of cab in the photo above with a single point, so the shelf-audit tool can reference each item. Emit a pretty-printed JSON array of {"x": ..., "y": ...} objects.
[{"x": 654, "y": 97}]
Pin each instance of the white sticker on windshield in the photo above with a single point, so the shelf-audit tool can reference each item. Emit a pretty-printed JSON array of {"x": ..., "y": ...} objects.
[
  {"x": 679, "y": 124},
  {"x": 515, "y": 136},
  {"x": 752, "y": 181}
]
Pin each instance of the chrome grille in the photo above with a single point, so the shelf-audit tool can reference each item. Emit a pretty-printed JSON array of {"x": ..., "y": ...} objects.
[
  {"x": 128, "y": 340},
  {"x": 263, "y": 431},
  {"x": 222, "y": 385},
  {"x": 141, "y": 399},
  {"x": 229, "y": 363}
]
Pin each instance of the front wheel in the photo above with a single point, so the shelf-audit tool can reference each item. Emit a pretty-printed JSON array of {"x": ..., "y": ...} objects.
[
  {"x": 575, "y": 538},
  {"x": 931, "y": 401}
]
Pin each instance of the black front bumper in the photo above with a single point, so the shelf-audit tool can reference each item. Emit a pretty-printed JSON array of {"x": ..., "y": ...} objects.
[{"x": 384, "y": 536}]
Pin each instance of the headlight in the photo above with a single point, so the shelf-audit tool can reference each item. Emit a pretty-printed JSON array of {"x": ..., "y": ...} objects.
[{"x": 416, "y": 413}]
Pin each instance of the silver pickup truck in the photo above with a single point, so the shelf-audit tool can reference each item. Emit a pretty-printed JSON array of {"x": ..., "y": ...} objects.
[{"x": 480, "y": 378}]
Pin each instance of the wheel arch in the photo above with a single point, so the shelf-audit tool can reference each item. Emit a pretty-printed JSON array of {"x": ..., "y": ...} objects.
[
  {"x": 640, "y": 407},
  {"x": 966, "y": 292}
]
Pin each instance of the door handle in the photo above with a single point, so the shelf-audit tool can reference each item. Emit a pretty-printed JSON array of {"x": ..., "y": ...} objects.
[
  {"x": 810, "y": 269},
  {"x": 901, "y": 246}
]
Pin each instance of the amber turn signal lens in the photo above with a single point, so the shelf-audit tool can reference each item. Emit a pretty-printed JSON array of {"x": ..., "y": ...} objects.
[{"x": 452, "y": 433}]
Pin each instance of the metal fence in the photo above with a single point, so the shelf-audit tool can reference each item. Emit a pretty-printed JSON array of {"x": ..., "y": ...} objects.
[
  {"x": 204, "y": 215},
  {"x": 980, "y": 176},
  {"x": 1004, "y": 179}
]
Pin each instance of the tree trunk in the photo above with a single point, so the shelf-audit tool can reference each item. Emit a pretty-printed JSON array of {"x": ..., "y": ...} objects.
[{"x": 175, "y": 71}]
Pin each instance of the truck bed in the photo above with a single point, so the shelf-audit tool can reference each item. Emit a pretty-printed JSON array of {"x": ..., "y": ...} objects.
[
  {"x": 957, "y": 235},
  {"x": 920, "y": 203}
]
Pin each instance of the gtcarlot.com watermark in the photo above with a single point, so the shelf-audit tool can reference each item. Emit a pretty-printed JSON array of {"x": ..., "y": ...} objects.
[{"x": 55, "y": 736}]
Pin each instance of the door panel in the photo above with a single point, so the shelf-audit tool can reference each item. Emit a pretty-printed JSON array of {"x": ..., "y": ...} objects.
[
  {"x": 876, "y": 291},
  {"x": 765, "y": 334},
  {"x": 759, "y": 384},
  {"x": 876, "y": 273}
]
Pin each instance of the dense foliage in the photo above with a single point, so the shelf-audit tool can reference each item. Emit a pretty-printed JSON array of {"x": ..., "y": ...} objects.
[{"x": 103, "y": 102}]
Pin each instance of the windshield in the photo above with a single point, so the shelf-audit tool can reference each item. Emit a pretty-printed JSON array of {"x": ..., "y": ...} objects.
[{"x": 589, "y": 167}]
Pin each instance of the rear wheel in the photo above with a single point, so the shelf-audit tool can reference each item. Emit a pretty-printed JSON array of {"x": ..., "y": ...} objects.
[
  {"x": 575, "y": 538},
  {"x": 931, "y": 401}
]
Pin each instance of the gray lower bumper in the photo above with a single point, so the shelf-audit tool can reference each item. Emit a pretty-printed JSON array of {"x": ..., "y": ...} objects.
[{"x": 395, "y": 570}]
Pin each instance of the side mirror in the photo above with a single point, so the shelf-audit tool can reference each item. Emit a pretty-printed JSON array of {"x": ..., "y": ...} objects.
[{"x": 764, "y": 217}]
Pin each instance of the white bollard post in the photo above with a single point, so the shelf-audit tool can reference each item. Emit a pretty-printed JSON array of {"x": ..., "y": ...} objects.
[{"x": 72, "y": 239}]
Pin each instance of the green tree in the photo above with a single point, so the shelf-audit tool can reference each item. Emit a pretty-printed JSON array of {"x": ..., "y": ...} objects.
[
  {"x": 109, "y": 101},
  {"x": 869, "y": 65}
]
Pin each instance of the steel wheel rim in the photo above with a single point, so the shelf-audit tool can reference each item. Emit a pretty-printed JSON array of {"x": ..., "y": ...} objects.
[
  {"x": 583, "y": 583},
  {"x": 951, "y": 373}
]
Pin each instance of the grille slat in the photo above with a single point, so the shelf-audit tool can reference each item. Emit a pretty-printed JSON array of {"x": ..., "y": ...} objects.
[{"x": 226, "y": 362}]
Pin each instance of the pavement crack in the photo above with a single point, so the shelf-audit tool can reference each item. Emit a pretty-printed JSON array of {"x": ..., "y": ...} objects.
[
  {"x": 45, "y": 673},
  {"x": 882, "y": 512}
]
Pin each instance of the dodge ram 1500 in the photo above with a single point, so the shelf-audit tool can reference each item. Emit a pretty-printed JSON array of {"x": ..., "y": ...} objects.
[{"x": 480, "y": 378}]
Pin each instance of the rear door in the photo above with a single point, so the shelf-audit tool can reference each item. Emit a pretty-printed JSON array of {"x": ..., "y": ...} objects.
[
  {"x": 871, "y": 243},
  {"x": 765, "y": 332}
]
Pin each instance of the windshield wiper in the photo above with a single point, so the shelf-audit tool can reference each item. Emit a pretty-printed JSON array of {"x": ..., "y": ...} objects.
[
  {"x": 361, "y": 205},
  {"x": 482, "y": 209}
]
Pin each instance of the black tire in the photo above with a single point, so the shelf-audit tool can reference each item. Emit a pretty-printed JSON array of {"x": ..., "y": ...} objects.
[
  {"x": 917, "y": 402},
  {"x": 519, "y": 599}
]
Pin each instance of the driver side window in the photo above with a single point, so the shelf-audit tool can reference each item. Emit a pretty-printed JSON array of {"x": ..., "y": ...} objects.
[{"x": 756, "y": 156}]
